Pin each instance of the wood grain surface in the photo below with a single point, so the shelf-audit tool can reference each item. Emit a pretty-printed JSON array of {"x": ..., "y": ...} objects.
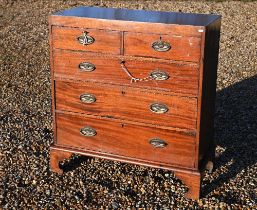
[
  {"x": 183, "y": 77},
  {"x": 121, "y": 114},
  {"x": 182, "y": 48},
  {"x": 207, "y": 87},
  {"x": 125, "y": 139},
  {"x": 126, "y": 103},
  {"x": 56, "y": 156},
  {"x": 106, "y": 41},
  {"x": 137, "y": 16},
  {"x": 132, "y": 26}
]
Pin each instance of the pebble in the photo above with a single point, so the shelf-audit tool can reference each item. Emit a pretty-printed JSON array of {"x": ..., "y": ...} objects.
[{"x": 115, "y": 205}]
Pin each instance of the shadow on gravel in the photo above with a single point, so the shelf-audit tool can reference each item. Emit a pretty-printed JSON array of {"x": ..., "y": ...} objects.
[
  {"x": 74, "y": 162},
  {"x": 235, "y": 130}
]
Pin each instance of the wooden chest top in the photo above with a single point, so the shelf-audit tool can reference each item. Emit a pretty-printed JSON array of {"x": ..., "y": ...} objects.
[
  {"x": 134, "y": 20},
  {"x": 178, "y": 18}
]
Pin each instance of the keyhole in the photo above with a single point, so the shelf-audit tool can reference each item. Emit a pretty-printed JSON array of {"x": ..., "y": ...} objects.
[
  {"x": 122, "y": 125},
  {"x": 123, "y": 92}
]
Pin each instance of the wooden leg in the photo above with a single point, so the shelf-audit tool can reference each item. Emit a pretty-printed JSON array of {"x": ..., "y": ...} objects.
[
  {"x": 211, "y": 159},
  {"x": 56, "y": 156},
  {"x": 193, "y": 182}
]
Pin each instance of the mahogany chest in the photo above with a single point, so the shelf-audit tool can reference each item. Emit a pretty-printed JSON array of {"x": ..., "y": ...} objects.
[{"x": 135, "y": 86}]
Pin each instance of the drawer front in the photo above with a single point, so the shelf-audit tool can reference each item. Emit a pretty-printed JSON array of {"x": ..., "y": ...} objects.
[
  {"x": 127, "y": 103},
  {"x": 162, "y": 46},
  {"x": 139, "y": 142},
  {"x": 181, "y": 77},
  {"x": 94, "y": 40}
]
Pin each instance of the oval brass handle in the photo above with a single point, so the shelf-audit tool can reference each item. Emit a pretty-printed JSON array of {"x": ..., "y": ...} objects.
[
  {"x": 158, "y": 143},
  {"x": 86, "y": 66},
  {"x": 88, "y": 131},
  {"x": 159, "y": 108},
  {"x": 87, "y": 98},
  {"x": 161, "y": 46},
  {"x": 159, "y": 75},
  {"x": 85, "y": 39}
]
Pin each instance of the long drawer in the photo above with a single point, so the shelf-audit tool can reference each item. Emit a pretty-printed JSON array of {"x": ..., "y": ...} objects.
[
  {"x": 125, "y": 139},
  {"x": 174, "y": 77},
  {"x": 127, "y": 103}
]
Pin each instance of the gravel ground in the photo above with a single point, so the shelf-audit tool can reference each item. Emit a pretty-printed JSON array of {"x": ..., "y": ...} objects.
[{"x": 26, "y": 131}]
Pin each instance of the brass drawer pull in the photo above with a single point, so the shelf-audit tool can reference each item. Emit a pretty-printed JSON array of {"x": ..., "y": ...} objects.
[
  {"x": 86, "y": 39},
  {"x": 88, "y": 131},
  {"x": 159, "y": 108},
  {"x": 159, "y": 75},
  {"x": 161, "y": 46},
  {"x": 86, "y": 66},
  {"x": 87, "y": 98},
  {"x": 158, "y": 143}
]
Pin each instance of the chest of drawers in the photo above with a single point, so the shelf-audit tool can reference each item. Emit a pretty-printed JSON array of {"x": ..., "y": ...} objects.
[{"x": 135, "y": 86}]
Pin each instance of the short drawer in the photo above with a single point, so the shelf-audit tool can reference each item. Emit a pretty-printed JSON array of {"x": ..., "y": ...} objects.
[
  {"x": 94, "y": 40},
  {"x": 127, "y": 103},
  {"x": 125, "y": 139},
  {"x": 175, "y": 77},
  {"x": 162, "y": 46}
]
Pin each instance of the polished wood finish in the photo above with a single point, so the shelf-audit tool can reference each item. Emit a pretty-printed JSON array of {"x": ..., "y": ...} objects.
[
  {"x": 121, "y": 102},
  {"x": 105, "y": 41},
  {"x": 207, "y": 144},
  {"x": 117, "y": 25},
  {"x": 182, "y": 48},
  {"x": 56, "y": 157},
  {"x": 183, "y": 76},
  {"x": 193, "y": 181},
  {"x": 121, "y": 113},
  {"x": 134, "y": 20},
  {"x": 145, "y": 16},
  {"x": 132, "y": 141}
]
